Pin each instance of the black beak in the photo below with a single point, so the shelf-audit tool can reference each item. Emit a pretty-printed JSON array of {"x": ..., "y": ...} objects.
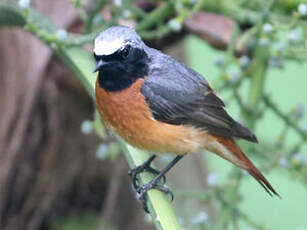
[{"x": 98, "y": 66}]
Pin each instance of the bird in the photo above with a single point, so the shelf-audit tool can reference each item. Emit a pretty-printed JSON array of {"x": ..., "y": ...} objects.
[{"x": 159, "y": 104}]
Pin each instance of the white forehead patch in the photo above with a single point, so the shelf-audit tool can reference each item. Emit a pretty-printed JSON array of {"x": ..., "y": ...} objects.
[{"x": 107, "y": 47}]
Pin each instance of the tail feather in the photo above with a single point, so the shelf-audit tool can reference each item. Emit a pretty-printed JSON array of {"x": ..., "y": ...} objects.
[
  {"x": 239, "y": 159},
  {"x": 241, "y": 131},
  {"x": 262, "y": 181}
]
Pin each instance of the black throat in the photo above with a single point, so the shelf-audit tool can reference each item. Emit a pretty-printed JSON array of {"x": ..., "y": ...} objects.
[{"x": 121, "y": 74}]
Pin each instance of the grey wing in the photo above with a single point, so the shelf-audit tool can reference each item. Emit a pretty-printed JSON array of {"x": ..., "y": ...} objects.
[{"x": 185, "y": 98}]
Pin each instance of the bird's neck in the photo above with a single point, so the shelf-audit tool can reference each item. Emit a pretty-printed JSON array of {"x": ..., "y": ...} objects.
[{"x": 116, "y": 79}]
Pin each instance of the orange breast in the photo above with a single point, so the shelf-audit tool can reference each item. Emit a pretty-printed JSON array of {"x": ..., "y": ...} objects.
[{"x": 127, "y": 112}]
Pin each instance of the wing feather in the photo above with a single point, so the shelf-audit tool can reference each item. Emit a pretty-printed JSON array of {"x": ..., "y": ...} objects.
[{"x": 185, "y": 98}]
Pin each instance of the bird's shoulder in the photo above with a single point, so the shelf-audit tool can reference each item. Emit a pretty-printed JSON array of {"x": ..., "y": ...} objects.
[
  {"x": 173, "y": 81},
  {"x": 164, "y": 68},
  {"x": 178, "y": 95}
]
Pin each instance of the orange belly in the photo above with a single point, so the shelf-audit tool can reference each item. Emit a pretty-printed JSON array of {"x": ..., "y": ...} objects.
[{"x": 128, "y": 114}]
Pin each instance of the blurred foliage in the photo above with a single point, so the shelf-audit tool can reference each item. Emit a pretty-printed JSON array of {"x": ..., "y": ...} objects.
[
  {"x": 265, "y": 34},
  {"x": 81, "y": 222}
]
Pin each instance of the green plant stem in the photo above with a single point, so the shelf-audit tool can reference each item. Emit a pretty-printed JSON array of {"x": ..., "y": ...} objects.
[
  {"x": 245, "y": 217},
  {"x": 156, "y": 16},
  {"x": 258, "y": 71},
  {"x": 231, "y": 199},
  {"x": 247, "y": 13},
  {"x": 159, "y": 205},
  {"x": 271, "y": 105},
  {"x": 97, "y": 7},
  {"x": 82, "y": 65}
]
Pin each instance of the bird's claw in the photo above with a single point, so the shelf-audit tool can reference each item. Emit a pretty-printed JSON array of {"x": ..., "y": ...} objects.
[
  {"x": 142, "y": 192},
  {"x": 133, "y": 173}
]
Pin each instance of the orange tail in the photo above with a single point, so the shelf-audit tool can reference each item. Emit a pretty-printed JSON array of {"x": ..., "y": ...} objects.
[{"x": 239, "y": 159}]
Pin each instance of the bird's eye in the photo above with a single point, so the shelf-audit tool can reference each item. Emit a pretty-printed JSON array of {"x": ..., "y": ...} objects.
[{"x": 125, "y": 52}]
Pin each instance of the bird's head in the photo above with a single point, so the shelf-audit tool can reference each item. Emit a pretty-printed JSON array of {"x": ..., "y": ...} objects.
[{"x": 120, "y": 55}]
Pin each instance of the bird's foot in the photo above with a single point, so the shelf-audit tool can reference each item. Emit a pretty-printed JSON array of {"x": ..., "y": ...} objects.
[
  {"x": 133, "y": 173},
  {"x": 154, "y": 184},
  {"x": 142, "y": 192}
]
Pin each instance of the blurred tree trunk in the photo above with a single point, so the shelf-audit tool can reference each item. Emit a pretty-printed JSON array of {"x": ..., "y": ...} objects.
[{"x": 47, "y": 166}]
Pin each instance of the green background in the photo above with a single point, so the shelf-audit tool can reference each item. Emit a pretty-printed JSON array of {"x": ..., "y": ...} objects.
[{"x": 288, "y": 87}]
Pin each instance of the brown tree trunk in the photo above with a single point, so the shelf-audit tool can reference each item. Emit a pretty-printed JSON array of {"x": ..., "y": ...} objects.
[{"x": 47, "y": 166}]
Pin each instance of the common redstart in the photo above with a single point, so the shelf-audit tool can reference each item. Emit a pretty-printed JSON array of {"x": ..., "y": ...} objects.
[{"x": 156, "y": 103}]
